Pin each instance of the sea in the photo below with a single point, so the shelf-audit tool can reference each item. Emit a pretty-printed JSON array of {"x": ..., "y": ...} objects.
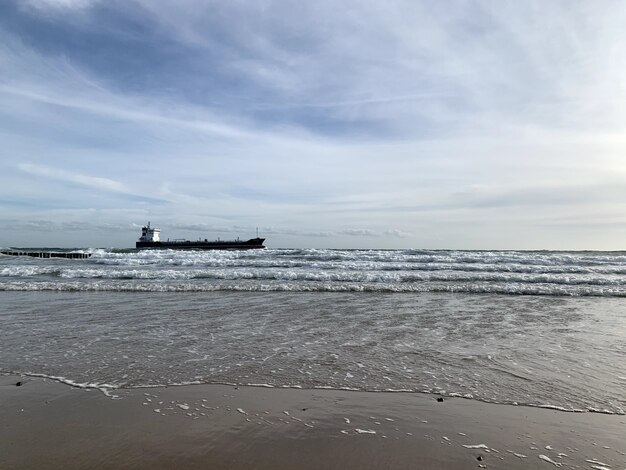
[{"x": 526, "y": 328}]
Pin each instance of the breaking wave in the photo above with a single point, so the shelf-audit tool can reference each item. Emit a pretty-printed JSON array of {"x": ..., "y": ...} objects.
[{"x": 316, "y": 270}]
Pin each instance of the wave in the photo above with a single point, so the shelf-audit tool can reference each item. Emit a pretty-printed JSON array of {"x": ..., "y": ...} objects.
[
  {"x": 412, "y": 255},
  {"x": 314, "y": 275},
  {"x": 34, "y": 270},
  {"x": 468, "y": 288},
  {"x": 30, "y": 271},
  {"x": 320, "y": 270},
  {"x": 363, "y": 265},
  {"x": 373, "y": 260}
]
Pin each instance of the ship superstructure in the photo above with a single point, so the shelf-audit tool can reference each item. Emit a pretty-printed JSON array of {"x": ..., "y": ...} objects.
[{"x": 149, "y": 234}]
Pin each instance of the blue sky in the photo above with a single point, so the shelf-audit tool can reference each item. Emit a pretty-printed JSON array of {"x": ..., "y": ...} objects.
[{"x": 391, "y": 124}]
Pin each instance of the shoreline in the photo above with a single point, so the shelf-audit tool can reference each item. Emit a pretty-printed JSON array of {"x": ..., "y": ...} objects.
[
  {"x": 110, "y": 391},
  {"x": 48, "y": 424}
]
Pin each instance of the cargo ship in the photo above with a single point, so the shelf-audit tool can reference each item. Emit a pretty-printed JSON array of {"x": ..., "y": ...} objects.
[{"x": 150, "y": 238}]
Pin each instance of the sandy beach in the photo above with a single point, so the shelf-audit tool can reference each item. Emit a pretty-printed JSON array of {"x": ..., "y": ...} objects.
[{"x": 45, "y": 424}]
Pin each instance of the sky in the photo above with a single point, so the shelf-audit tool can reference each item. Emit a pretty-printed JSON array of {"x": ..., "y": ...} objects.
[{"x": 352, "y": 124}]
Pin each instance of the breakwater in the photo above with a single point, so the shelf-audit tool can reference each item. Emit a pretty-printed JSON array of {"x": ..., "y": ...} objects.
[{"x": 47, "y": 254}]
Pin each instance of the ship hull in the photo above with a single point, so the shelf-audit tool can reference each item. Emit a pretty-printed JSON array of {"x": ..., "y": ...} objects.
[{"x": 253, "y": 243}]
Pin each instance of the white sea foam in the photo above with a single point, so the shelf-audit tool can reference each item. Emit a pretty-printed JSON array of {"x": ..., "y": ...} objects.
[
  {"x": 597, "y": 462},
  {"x": 514, "y": 273},
  {"x": 105, "y": 388},
  {"x": 247, "y": 285},
  {"x": 545, "y": 458},
  {"x": 108, "y": 388},
  {"x": 521, "y": 456},
  {"x": 556, "y": 407}
]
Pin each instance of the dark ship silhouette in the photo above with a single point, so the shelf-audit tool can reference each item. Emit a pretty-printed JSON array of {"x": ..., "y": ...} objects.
[{"x": 150, "y": 239}]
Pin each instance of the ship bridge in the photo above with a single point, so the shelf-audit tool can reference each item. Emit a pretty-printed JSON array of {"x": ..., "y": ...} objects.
[{"x": 149, "y": 234}]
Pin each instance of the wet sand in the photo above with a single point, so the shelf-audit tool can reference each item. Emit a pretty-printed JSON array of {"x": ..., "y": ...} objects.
[{"x": 44, "y": 424}]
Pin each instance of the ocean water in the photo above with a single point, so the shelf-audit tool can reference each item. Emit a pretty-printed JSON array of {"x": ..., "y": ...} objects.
[{"x": 527, "y": 328}]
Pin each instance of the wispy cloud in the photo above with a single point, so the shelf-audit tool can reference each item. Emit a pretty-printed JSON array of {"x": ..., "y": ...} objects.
[
  {"x": 62, "y": 175},
  {"x": 263, "y": 230},
  {"x": 49, "y": 226},
  {"x": 44, "y": 5}
]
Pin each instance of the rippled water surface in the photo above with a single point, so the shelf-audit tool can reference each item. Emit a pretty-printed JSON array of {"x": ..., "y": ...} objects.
[
  {"x": 448, "y": 322},
  {"x": 550, "y": 273}
]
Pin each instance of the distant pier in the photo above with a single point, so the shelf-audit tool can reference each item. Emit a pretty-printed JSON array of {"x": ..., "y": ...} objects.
[{"x": 47, "y": 254}]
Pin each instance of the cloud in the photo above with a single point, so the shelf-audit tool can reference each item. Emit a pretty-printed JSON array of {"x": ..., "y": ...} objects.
[
  {"x": 525, "y": 62},
  {"x": 109, "y": 105},
  {"x": 396, "y": 233},
  {"x": 405, "y": 122},
  {"x": 265, "y": 231},
  {"x": 358, "y": 232},
  {"x": 58, "y": 4},
  {"x": 48, "y": 226},
  {"x": 104, "y": 184}
]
